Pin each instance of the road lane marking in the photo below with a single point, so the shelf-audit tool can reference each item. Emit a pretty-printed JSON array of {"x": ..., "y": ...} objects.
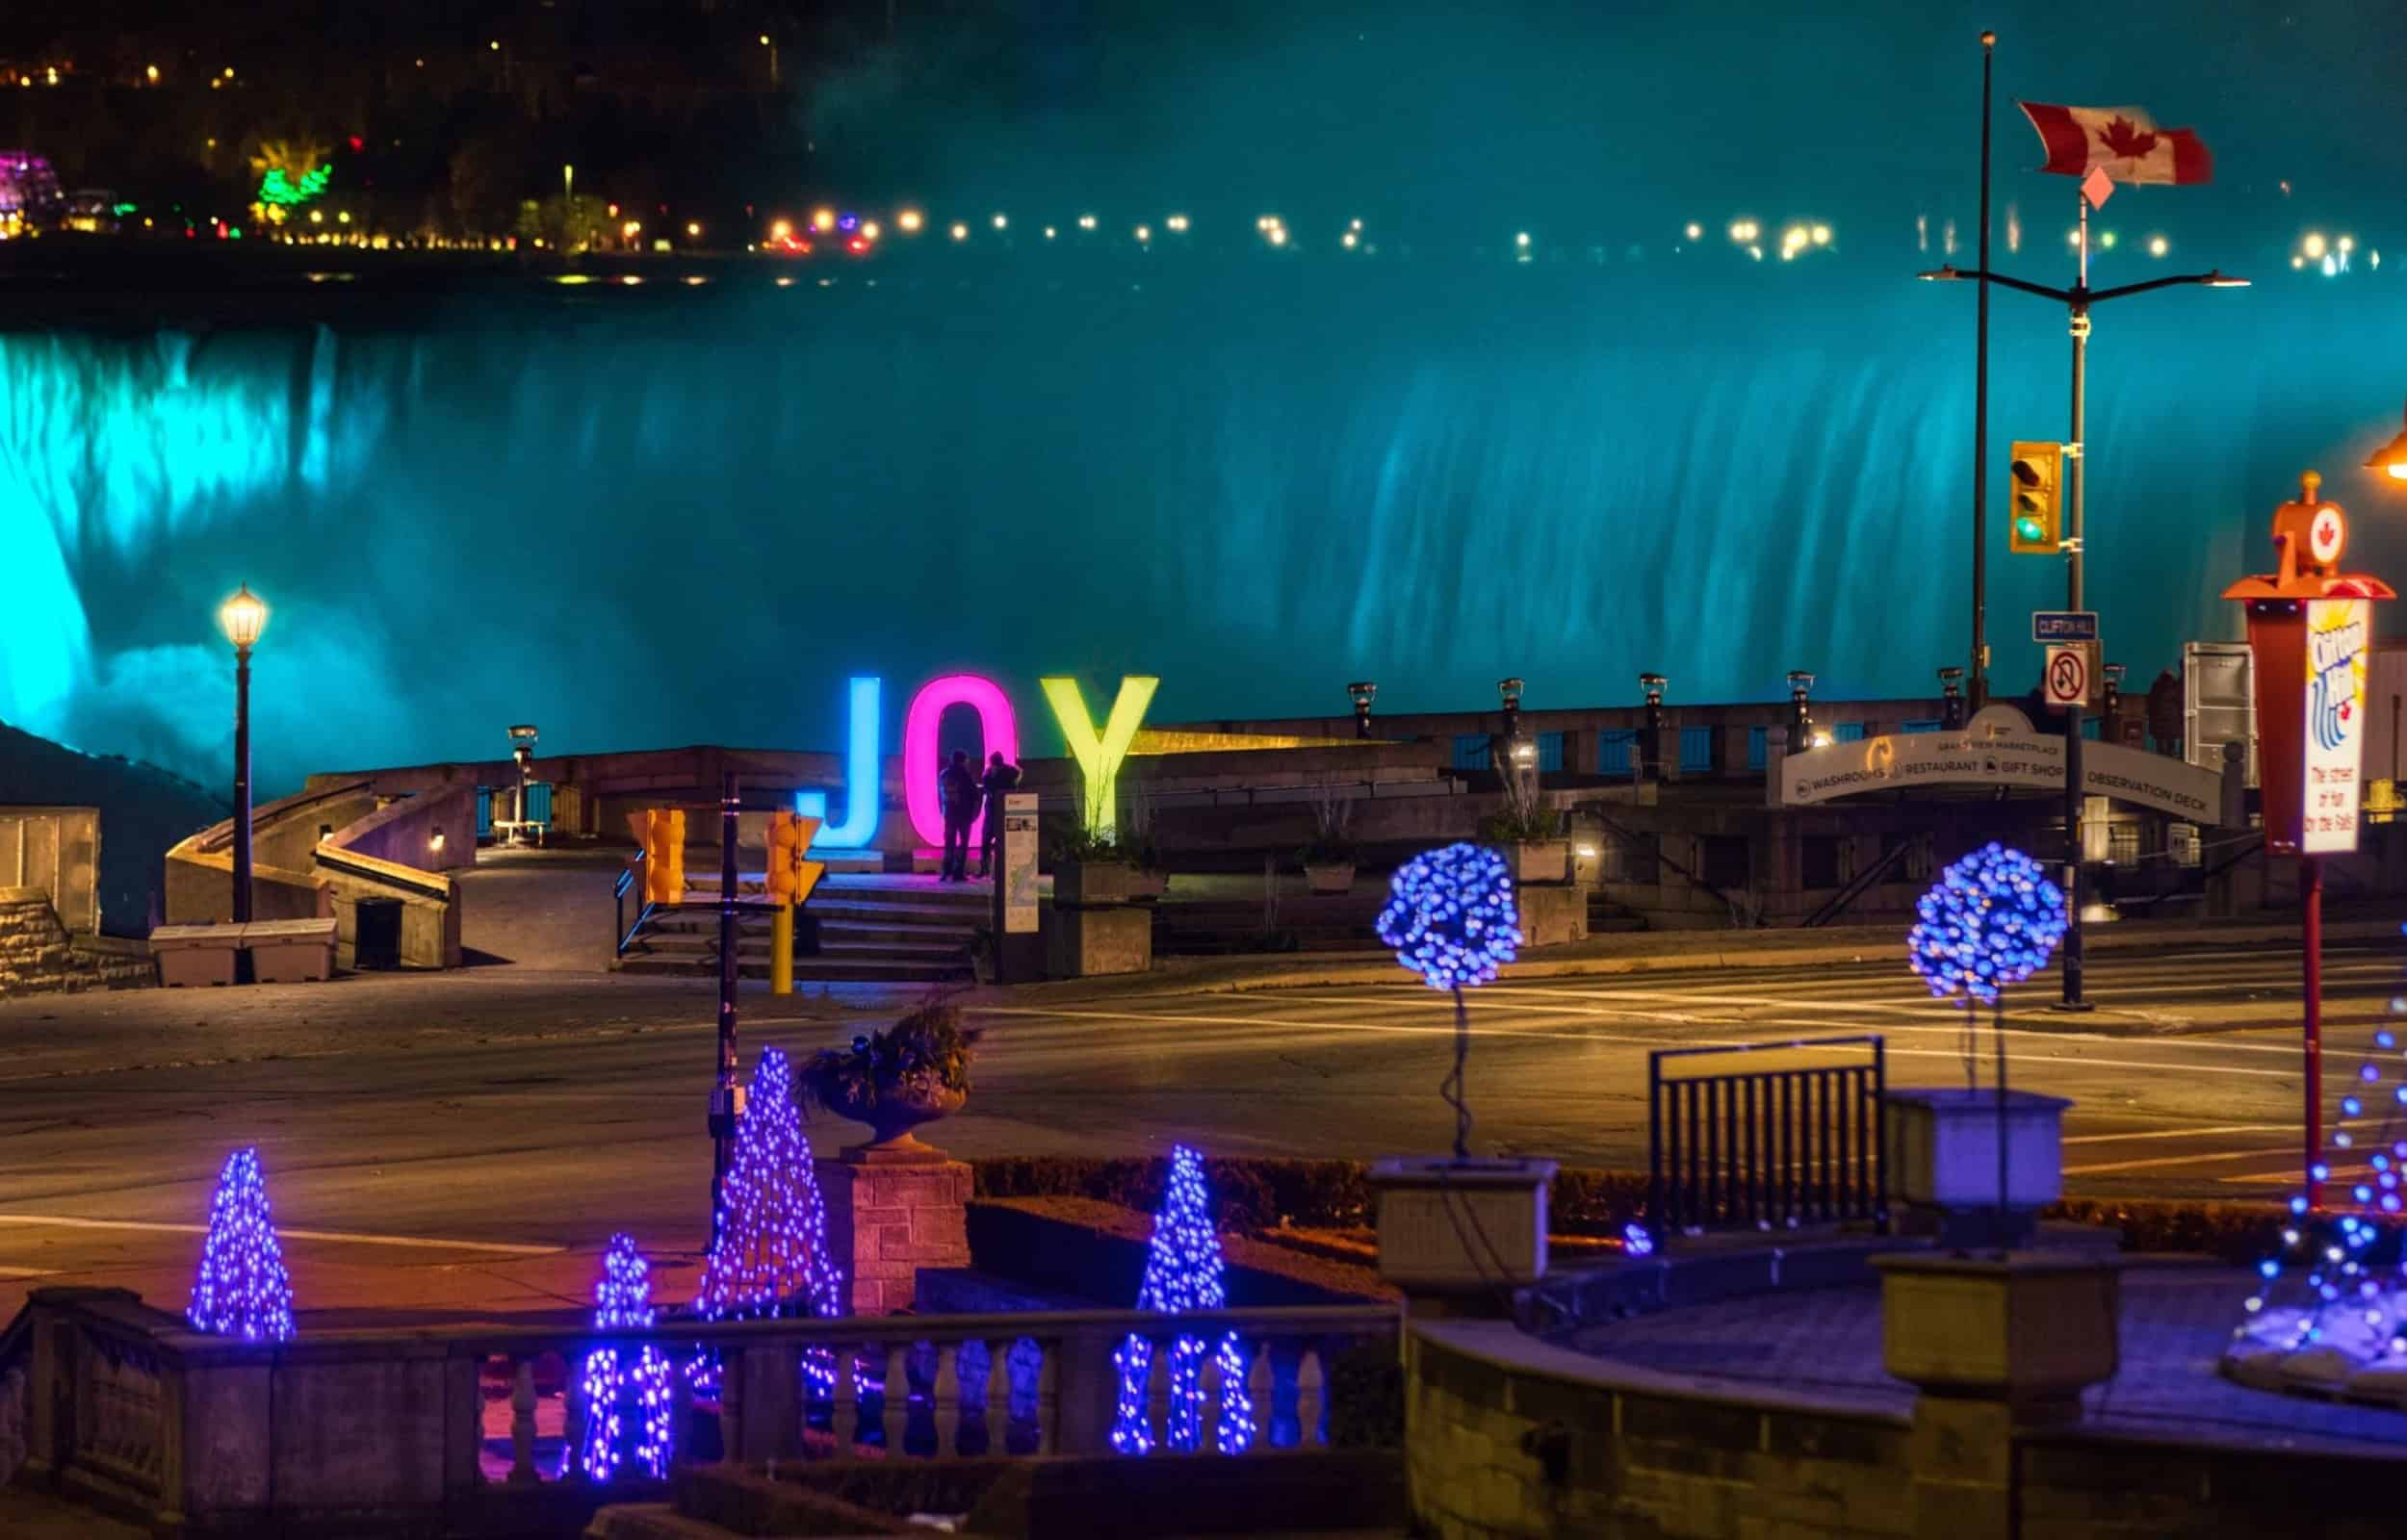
[
  {"x": 2181, "y": 1160},
  {"x": 421, "y": 1242},
  {"x": 1275, "y": 1025},
  {"x": 1951, "y": 1021},
  {"x": 2184, "y": 1133}
]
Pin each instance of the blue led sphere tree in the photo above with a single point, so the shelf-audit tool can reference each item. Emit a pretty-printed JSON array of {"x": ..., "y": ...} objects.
[
  {"x": 1990, "y": 922},
  {"x": 627, "y": 1410},
  {"x": 243, "y": 1290},
  {"x": 1451, "y": 918},
  {"x": 1183, "y": 1271}
]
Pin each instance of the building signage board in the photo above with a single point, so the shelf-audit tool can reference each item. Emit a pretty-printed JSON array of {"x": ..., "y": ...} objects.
[
  {"x": 1018, "y": 868},
  {"x": 2063, "y": 624},
  {"x": 2340, "y": 634},
  {"x": 2031, "y": 762}
]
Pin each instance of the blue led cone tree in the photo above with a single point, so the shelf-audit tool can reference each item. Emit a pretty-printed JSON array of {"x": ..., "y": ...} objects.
[
  {"x": 241, "y": 1290},
  {"x": 629, "y": 1414},
  {"x": 1183, "y": 1271},
  {"x": 770, "y": 1255},
  {"x": 2332, "y": 1298}
]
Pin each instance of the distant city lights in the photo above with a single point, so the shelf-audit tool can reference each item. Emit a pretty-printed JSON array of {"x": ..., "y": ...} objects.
[
  {"x": 1177, "y": 223},
  {"x": 869, "y": 230},
  {"x": 961, "y": 231},
  {"x": 1002, "y": 223},
  {"x": 1695, "y": 231},
  {"x": 1086, "y": 222},
  {"x": 2314, "y": 245},
  {"x": 908, "y": 222},
  {"x": 824, "y": 219},
  {"x": 1145, "y": 233},
  {"x": 1744, "y": 232},
  {"x": 2158, "y": 245}
]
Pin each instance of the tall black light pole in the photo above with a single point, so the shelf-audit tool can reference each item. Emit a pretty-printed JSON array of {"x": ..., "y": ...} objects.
[
  {"x": 242, "y": 618},
  {"x": 727, "y": 1093},
  {"x": 2077, "y": 301},
  {"x": 1981, "y": 409}
]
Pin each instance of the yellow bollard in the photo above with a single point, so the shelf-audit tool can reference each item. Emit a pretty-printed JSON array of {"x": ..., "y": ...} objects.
[{"x": 782, "y": 950}]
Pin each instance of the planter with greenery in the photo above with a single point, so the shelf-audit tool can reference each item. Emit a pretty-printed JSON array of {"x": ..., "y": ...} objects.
[
  {"x": 914, "y": 1072},
  {"x": 1148, "y": 877},
  {"x": 1091, "y": 868},
  {"x": 1330, "y": 859},
  {"x": 1531, "y": 841}
]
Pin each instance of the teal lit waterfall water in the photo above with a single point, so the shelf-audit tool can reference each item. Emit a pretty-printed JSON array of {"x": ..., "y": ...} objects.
[{"x": 642, "y": 518}]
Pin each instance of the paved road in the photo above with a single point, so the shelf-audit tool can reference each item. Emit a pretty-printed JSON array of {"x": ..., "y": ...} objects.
[{"x": 472, "y": 1138}]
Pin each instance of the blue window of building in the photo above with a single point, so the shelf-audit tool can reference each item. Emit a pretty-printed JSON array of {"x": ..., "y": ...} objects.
[
  {"x": 1470, "y": 751},
  {"x": 484, "y": 812},
  {"x": 1697, "y": 751},
  {"x": 1616, "y": 750},
  {"x": 1549, "y": 751},
  {"x": 1758, "y": 748},
  {"x": 1848, "y": 732},
  {"x": 539, "y": 802},
  {"x": 1931, "y": 724}
]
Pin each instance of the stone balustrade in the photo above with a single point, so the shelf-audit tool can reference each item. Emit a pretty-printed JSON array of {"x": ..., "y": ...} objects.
[{"x": 130, "y": 1410}]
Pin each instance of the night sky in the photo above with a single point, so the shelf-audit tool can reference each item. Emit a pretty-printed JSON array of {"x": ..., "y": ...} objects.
[{"x": 642, "y": 518}]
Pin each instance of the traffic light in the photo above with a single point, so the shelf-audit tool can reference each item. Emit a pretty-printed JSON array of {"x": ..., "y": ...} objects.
[
  {"x": 2034, "y": 517},
  {"x": 664, "y": 855}
]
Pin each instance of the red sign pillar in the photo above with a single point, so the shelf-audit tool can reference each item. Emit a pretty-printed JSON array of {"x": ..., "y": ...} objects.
[{"x": 2311, "y": 632}]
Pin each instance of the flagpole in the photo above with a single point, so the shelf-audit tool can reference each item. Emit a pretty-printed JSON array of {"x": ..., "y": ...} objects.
[
  {"x": 2076, "y": 459},
  {"x": 1980, "y": 693}
]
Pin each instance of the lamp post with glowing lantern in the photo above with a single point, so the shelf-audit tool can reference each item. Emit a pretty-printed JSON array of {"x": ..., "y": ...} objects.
[
  {"x": 1363, "y": 692},
  {"x": 2310, "y": 630},
  {"x": 521, "y": 749},
  {"x": 242, "y": 618}
]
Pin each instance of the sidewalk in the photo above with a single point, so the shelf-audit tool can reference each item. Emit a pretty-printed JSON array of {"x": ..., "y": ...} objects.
[{"x": 1664, "y": 951}]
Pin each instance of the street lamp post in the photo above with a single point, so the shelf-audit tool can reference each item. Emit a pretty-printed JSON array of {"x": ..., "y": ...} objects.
[
  {"x": 1650, "y": 753},
  {"x": 1363, "y": 692},
  {"x": 521, "y": 749},
  {"x": 2077, "y": 301},
  {"x": 1951, "y": 699},
  {"x": 242, "y": 618},
  {"x": 1800, "y": 709}
]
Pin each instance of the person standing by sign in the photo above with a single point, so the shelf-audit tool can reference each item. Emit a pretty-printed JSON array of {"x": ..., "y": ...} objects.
[
  {"x": 958, "y": 786},
  {"x": 999, "y": 779}
]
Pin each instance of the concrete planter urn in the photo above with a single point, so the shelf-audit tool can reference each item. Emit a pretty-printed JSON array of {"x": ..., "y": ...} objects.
[
  {"x": 1459, "y": 1226},
  {"x": 1092, "y": 882},
  {"x": 893, "y": 1110},
  {"x": 1537, "y": 861},
  {"x": 1329, "y": 877},
  {"x": 2033, "y": 1329},
  {"x": 1941, "y": 1154}
]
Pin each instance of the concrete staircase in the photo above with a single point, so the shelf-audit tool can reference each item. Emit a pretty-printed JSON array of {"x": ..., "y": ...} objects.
[
  {"x": 38, "y": 957},
  {"x": 869, "y": 931}
]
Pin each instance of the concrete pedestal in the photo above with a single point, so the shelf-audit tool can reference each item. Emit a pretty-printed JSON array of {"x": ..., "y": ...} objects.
[
  {"x": 1993, "y": 1344},
  {"x": 1458, "y": 1236},
  {"x": 1552, "y": 915},
  {"x": 887, "y": 1220},
  {"x": 1942, "y": 1149},
  {"x": 1082, "y": 942}
]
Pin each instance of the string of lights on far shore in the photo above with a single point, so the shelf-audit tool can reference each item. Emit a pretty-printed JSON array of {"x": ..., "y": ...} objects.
[{"x": 305, "y": 212}]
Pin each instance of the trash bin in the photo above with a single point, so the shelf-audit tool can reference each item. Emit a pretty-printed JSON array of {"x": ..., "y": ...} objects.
[{"x": 376, "y": 933}]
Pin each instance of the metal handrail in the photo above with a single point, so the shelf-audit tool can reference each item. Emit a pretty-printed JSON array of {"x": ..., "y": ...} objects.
[
  {"x": 1743, "y": 1148},
  {"x": 1837, "y": 904},
  {"x": 625, "y": 932}
]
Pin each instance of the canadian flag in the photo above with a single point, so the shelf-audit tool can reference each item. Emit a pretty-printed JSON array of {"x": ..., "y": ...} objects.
[{"x": 2122, "y": 142}]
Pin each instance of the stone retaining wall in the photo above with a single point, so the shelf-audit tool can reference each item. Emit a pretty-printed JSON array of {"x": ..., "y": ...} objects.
[
  {"x": 37, "y": 957},
  {"x": 1507, "y": 1436}
]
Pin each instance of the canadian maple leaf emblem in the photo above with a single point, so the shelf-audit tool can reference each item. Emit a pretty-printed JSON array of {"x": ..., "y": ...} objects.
[{"x": 2125, "y": 140}]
